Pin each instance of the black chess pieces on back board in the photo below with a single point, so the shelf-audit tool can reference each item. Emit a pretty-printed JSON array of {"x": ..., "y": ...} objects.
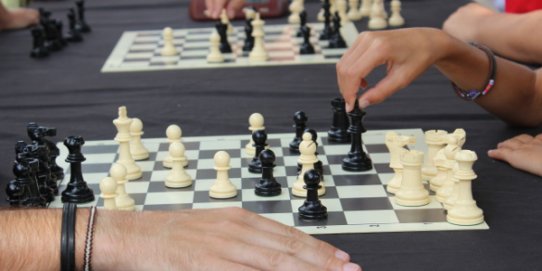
[
  {"x": 300, "y": 123},
  {"x": 306, "y": 47},
  {"x": 336, "y": 40},
  {"x": 74, "y": 33},
  {"x": 357, "y": 159},
  {"x": 82, "y": 23},
  {"x": 222, "y": 30},
  {"x": 312, "y": 208},
  {"x": 39, "y": 50},
  {"x": 338, "y": 130},
  {"x": 326, "y": 31},
  {"x": 259, "y": 137},
  {"x": 302, "y": 23},
  {"x": 249, "y": 39},
  {"x": 77, "y": 190},
  {"x": 268, "y": 185}
]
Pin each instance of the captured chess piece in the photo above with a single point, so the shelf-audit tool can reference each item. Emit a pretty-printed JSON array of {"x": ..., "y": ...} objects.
[
  {"x": 338, "y": 130},
  {"x": 77, "y": 190},
  {"x": 74, "y": 34},
  {"x": 357, "y": 159},
  {"x": 268, "y": 185},
  {"x": 39, "y": 50},
  {"x": 84, "y": 27},
  {"x": 259, "y": 137},
  {"x": 312, "y": 208},
  {"x": 222, "y": 29},
  {"x": 223, "y": 188},
  {"x": 300, "y": 123}
]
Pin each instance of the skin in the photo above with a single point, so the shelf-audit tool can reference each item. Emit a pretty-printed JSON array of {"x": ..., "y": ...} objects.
[
  {"x": 215, "y": 7},
  {"x": 17, "y": 18},
  {"x": 214, "y": 239},
  {"x": 522, "y": 152}
]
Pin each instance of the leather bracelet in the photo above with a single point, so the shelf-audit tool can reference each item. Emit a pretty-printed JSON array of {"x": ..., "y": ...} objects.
[
  {"x": 67, "y": 237},
  {"x": 472, "y": 94}
]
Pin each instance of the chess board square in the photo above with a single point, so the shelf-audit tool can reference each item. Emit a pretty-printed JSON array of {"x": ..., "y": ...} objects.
[
  {"x": 143, "y": 55},
  {"x": 205, "y": 184},
  {"x": 219, "y": 145},
  {"x": 332, "y": 204},
  {"x": 135, "y": 187},
  {"x": 249, "y": 195},
  {"x": 93, "y": 168},
  {"x": 376, "y": 148},
  {"x": 203, "y": 197},
  {"x": 361, "y": 204},
  {"x": 160, "y": 186},
  {"x": 268, "y": 206},
  {"x": 383, "y": 168},
  {"x": 164, "y": 63},
  {"x": 433, "y": 204},
  {"x": 170, "y": 197},
  {"x": 217, "y": 204},
  {"x": 333, "y": 218},
  {"x": 89, "y": 177},
  {"x": 336, "y": 169},
  {"x": 371, "y": 217},
  {"x": 361, "y": 191},
  {"x": 421, "y": 215},
  {"x": 250, "y": 183},
  {"x": 348, "y": 180},
  {"x": 204, "y": 174},
  {"x": 96, "y": 149},
  {"x": 234, "y": 153},
  {"x": 284, "y": 218},
  {"x": 169, "y": 207}
]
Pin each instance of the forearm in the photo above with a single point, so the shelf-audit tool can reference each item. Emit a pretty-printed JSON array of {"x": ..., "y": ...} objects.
[{"x": 30, "y": 239}]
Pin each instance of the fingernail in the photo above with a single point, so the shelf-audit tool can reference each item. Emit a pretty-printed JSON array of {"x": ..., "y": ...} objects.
[
  {"x": 342, "y": 255},
  {"x": 364, "y": 104},
  {"x": 351, "y": 267}
]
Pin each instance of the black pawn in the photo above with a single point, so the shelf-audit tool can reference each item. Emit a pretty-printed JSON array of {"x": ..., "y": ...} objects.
[
  {"x": 337, "y": 132},
  {"x": 249, "y": 39},
  {"x": 306, "y": 47},
  {"x": 83, "y": 26},
  {"x": 312, "y": 208},
  {"x": 302, "y": 23},
  {"x": 74, "y": 34},
  {"x": 222, "y": 32},
  {"x": 268, "y": 185},
  {"x": 337, "y": 40},
  {"x": 300, "y": 123},
  {"x": 357, "y": 159},
  {"x": 39, "y": 50},
  {"x": 326, "y": 32},
  {"x": 259, "y": 137},
  {"x": 77, "y": 190}
]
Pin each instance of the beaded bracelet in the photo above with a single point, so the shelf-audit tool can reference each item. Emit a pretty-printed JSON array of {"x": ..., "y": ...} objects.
[
  {"x": 67, "y": 237},
  {"x": 472, "y": 94}
]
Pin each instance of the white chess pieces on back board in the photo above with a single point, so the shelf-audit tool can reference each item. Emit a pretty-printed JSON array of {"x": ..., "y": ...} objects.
[
  {"x": 168, "y": 48},
  {"x": 215, "y": 56},
  {"x": 258, "y": 53}
]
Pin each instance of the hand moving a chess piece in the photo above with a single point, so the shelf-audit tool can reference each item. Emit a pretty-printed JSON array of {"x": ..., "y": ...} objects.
[{"x": 214, "y": 7}]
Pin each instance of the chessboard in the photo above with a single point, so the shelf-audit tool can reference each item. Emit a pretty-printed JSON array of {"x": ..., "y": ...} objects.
[
  {"x": 357, "y": 202},
  {"x": 140, "y": 50}
]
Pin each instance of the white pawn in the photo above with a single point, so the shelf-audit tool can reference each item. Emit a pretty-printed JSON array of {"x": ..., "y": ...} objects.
[
  {"x": 341, "y": 9},
  {"x": 464, "y": 211},
  {"x": 177, "y": 176},
  {"x": 256, "y": 122},
  {"x": 396, "y": 147},
  {"x": 436, "y": 141},
  {"x": 137, "y": 149},
  {"x": 108, "y": 187},
  {"x": 215, "y": 56},
  {"x": 123, "y": 123},
  {"x": 169, "y": 47},
  {"x": 123, "y": 200},
  {"x": 223, "y": 188},
  {"x": 225, "y": 20},
  {"x": 377, "y": 19},
  {"x": 258, "y": 53},
  {"x": 173, "y": 134},
  {"x": 412, "y": 191},
  {"x": 354, "y": 13},
  {"x": 396, "y": 19},
  {"x": 365, "y": 8},
  {"x": 307, "y": 159},
  {"x": 296, "y": 7}
]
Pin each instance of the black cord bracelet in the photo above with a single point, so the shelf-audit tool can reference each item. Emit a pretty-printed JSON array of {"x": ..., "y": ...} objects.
[{"x": 67, "y": 237}]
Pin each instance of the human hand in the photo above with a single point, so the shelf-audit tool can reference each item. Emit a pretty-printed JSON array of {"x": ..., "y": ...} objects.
[
  {"x": 523, "y": 152},
  {"x": 463, "y": 23},
  {"x": 213, "y": 239},
  {"x": 407, "y": 53},
  {"x": 215, "y": 7},
  {"x": 18, "y": 18}
]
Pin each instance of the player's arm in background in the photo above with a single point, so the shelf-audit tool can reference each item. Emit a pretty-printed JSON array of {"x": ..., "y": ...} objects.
[
  {"x": 230, "y": 239},
  {"x": 17, "y": 18},
  {"x": 214, "y": 7}
]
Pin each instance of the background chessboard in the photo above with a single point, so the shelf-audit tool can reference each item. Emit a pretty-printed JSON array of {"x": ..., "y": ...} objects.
[
  {"x": 356, "y": 201},
  {"x": 140, "y": 50}
]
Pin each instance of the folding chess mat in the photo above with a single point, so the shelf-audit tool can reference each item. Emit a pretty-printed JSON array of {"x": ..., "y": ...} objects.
[
  {"x": 140, "y": 50},
  {"x": 357, "y": 202}
]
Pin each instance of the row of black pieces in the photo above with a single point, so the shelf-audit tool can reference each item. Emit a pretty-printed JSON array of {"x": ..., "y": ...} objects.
[
  {"x": 37, "y": 176},
  {"x": 49, "y": 37},
  {"x": 332, "y": 33}
]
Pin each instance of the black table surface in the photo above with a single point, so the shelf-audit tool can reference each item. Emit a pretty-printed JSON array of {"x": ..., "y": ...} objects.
[{"x": 67, "y": 91}]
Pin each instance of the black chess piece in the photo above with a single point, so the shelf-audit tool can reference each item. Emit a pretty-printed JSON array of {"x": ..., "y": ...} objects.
[
  {"x": 74, "y": 35},
  {"x": 259, "y": 137},
  {"x": 77, "y": 190},
  {"x": 42, "y": 174},
  {"x": 83, "y": 25},
  {"x": 39, "y": 50},
  {"x": 222, "y": 30},
  {"x": 24, "y": 190},
  {"x": 302, "y": 23},
  {"x": 37, "y": 134},
  {"x": 268, "y": 185},
  {"x": 357, "y": 159},
  {"x": 312, "y": 208},
  {"x": 60, "y": 32},
  {"x": 337, "y": 132},
  {"x": 337, "y": 40},
  {"x": 326, "y": 31},
  {"x": 54, "y": 152},
  {"x": 249, "y": 39},
  {"x": 306, "y": 47},
  {"x": 300, "y": 123}
]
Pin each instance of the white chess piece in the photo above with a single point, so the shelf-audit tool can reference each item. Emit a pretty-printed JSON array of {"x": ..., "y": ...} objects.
[
  {"x": 412, "y": 191},
  {"x": 296, "y": 7},
  {"x": 223, "y": 188},
  {"x": 464, "y": 211},
  {"x": 215, "y": 56},
  {"x": 256, "y": 122},
  {"x": 137, "y": 149},
  {"x": 168, "y": 48},
  {"x": 341, "y": 9},
  {"x": 173, "y": 134},
  {"x": 123, "y": 138},
  {"x": 123, "y": 201},
  {"x": 436, "y": 141},
  {"x": 258, "y": 53},
  {"x": 377, "y": 20},
  {"x": 447, "y": 164},
  {"x": 354, "y": 13},
  {"x": 396, "y": 20},
  {"x": 307, "y": 159},
  {"x": 225, "y": 20},
  {"x": 108, "y": 187},
  {"x": 396, "y": 147},
  {"x": 365, "y": 8},
  {"x": 177, "y": 176}
]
